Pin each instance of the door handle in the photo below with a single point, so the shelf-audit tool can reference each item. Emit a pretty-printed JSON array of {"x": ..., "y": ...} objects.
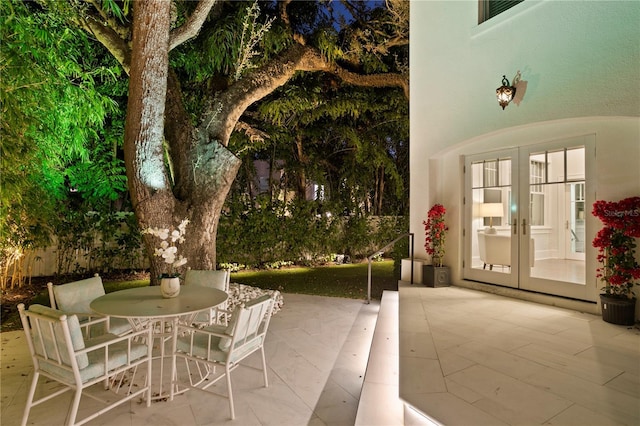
[
  {"x": 515, "y": 226},
  {"x": 524, "y": 226}
]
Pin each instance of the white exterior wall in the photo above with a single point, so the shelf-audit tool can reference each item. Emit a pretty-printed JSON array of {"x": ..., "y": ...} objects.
[{"x": 580, "y": 66}]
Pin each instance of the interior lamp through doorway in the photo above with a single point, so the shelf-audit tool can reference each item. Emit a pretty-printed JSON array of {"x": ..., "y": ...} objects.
[{"x": 491, "y": 210}]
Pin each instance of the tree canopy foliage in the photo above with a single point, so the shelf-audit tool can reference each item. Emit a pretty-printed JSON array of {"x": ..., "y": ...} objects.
[
  {"x": 317, "y": 85},
  {"x": 60, "y": 127}
]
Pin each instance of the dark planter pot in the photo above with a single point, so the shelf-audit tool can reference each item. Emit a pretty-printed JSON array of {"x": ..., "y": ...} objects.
[
  {"x": 436, "y": 276},
  {"x": 620, "y": 311}
]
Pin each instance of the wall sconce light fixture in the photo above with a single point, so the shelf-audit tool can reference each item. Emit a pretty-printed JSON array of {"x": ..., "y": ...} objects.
[{"x": 505, "y": 92}]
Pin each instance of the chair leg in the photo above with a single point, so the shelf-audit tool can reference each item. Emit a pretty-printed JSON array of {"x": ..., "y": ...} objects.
[
  {"x": 264, "y": 368},
  {"x": 174, "y": 367},
  {"x": 74, "y": 407},
  {"x": 233, "y": 413},
  {"x": 148, "y": 379},
  {"x": 32, "y": 392}
]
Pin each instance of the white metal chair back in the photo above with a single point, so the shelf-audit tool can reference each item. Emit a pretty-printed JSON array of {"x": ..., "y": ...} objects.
[
  {"x": 249, "y": 324},
  {"x": 224, "y": 346},
  {"x": 60, "y": 352},
  {"x": 75, "y": 298},
  {"x": 219, "y": 279}
]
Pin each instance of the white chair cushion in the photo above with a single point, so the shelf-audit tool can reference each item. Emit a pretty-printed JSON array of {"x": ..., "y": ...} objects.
[
  {"x": 76, "y": 296},
  {"x": 212, "y": 349},
  {"x": 225, "y": 342},
  {"x": 74, "y": 330},
  {"x": 200, "y": 341},
  {"x": 96, "y": 359},
  {"x": 119, "y": 326},
  {"x": 204, "y": 345},
  {"x": 207, "y": 278}
]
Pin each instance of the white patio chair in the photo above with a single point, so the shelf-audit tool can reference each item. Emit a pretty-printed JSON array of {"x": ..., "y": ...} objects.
[
  {"x": 226, "y": 347},
  {"x": 61, "y": 353},
  {"x": 75, "y": 297},
  {"x": 215, "y": 279}
]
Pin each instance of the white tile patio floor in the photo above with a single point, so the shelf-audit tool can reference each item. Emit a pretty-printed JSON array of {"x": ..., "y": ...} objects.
[
  {"x": 317, "y": 350},
  {"x": 479, "y": 359},
  {"x": 472, "y": 358}
]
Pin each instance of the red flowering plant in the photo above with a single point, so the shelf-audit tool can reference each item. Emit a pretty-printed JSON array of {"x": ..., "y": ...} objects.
[
  {"x": 616, "y": 244},
  {"x": 435, "y": 231}
]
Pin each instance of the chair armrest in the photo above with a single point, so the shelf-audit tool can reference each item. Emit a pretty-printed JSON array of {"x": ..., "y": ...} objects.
[
  {"x": 109, "y": 339},
  {"x": 97, "y": 318},
  {"x": 187, "y": 329},
  {"x": 215, "y": 316},
  {"x": 89, "y": 319},
  {"x": 192, "y": 340},
  {"x": 114, "y": 354}
]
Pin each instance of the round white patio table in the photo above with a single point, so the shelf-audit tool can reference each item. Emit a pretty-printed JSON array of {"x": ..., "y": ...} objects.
[{"x": 145, "y": 307}]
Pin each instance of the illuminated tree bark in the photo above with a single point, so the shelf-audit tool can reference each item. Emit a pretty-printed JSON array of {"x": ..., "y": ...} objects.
[{"x": 148, "y": 184}]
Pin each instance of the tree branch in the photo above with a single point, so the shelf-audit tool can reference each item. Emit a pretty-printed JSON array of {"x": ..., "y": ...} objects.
[
  {"x": 192, "y": 26},
  {"x": 221, "y": 117},
  {"x": 371, "y": 80},
  {"x": 314, "y": 61},
  {"x": 95, "y": 21},
  {"x": 255, "y": 135},
  {"x": 284, "y": 15},
  {"x": 109, "y": 38}
]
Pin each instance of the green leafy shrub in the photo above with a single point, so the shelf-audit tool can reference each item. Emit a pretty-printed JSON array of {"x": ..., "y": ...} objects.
[
  {"x": 104, "y": 241},
  {"x": 273, "y": 233}
]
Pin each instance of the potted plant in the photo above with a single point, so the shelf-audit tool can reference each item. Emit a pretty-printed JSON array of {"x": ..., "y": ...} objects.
[
  {"x": 435, "y": 275},
  {"x": 168, "y": 250},
  {"x": 619, "y": 267}
]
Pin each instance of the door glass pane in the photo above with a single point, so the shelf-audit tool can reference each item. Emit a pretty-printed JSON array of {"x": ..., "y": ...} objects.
[
  {"x": 556, "y": 216},
  {"x": 576, "y": 218},
  {"x": 476, "y": 175},
  {"x": 575, "y": 163},
  {"x": 505, "y": 172},
  {"x": 555, "y": 166},
  {"x": 537, "y": 188},
  {"x": 490, "y": 236},
  {"x": 490, "y": 173}
]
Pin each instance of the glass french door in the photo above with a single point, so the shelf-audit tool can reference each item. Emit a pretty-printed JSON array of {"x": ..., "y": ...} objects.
[
  {"x": 525, "y": 211},
  {"x": 491, "y": 217}
]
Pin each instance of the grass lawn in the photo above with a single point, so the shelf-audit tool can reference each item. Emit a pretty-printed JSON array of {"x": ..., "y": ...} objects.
[
  {"x": 348, "y": 281},
  {"x": 337, "y": 280}
]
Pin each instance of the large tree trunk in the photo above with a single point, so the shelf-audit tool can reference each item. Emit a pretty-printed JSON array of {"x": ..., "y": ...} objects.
[
  {"x": 148, "y": 184},
  {"x": 203, "y": 169}
]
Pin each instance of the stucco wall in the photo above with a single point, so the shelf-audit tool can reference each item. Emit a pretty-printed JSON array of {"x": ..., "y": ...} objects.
[{"x": 580, "y": 66}]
